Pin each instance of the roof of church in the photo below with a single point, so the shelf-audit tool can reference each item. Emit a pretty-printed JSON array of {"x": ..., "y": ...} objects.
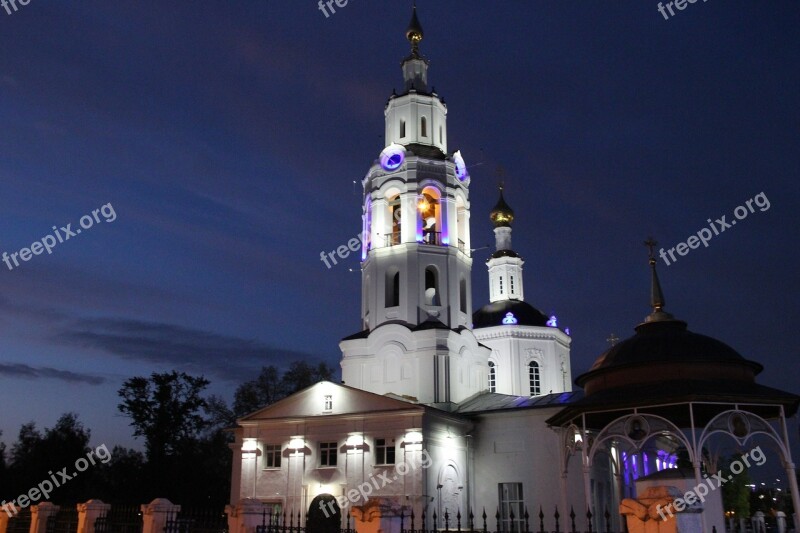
[
  {"x": 503, "y": 253},
  {"x": 492, "y": 401},
  {"x": 494, "y": 313}
]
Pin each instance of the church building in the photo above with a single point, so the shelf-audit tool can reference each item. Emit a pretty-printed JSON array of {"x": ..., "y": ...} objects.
[{"x": 443, "y": 412}]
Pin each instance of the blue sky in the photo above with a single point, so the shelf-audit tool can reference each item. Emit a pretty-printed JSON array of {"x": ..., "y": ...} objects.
[{"x": 228, "y": 136}]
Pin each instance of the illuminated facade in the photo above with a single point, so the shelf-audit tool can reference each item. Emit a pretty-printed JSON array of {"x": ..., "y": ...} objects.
[{"x": 446, "y": 411}]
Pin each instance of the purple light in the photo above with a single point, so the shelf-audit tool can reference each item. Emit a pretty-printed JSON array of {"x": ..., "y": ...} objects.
[
  {"x": 553, "y": 322},
  {"x": 509, "y": 319}
]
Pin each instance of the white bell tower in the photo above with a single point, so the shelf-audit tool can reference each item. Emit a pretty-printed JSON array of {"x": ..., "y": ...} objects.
[{"x": 416, "y": 265}]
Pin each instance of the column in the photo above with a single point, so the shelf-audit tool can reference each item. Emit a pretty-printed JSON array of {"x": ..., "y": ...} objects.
[
  {"x": 155, "y": 515},
  {"x": 88, "y": 513}
]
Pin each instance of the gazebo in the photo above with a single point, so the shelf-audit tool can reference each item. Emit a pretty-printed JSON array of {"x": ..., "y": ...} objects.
[{"x": 667, "y": 392}]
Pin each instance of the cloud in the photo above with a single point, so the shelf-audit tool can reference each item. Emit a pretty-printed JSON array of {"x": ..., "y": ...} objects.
[
  {"x": 230, "y": 358},
  {"x": 19, "y": 370}
]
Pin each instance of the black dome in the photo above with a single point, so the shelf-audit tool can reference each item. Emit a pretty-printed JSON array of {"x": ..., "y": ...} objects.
[
  {"x": 664, "y": 351},
  {"x": 668, "y": 341},
  {"x": 494, "y": 313}
]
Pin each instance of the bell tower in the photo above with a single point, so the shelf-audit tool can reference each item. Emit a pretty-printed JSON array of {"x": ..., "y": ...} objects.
[{"x": 416, "y": 264}]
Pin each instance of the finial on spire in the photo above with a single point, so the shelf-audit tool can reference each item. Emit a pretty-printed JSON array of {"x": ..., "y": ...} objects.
[
  {"x": 657, "y": 300},
  {"x": 414, "y": 32}
]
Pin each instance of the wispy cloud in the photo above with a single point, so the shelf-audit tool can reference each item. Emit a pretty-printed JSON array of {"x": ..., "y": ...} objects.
[
  {"x": 197, "y": 351},
  {"x": 20, "y": 370}
]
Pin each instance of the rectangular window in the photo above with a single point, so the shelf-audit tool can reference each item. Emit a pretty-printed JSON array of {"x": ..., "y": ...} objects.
[
  {"x": 384, "y": 451},
  {"x": 501, "y": 284},
  {"x": 328, "y": 453},
  {"x": 272, "y": 456},
  {"x": 512, "y": 284},
  {"x": 328, "y": 403},
  {"x": 511, "y": 503}
]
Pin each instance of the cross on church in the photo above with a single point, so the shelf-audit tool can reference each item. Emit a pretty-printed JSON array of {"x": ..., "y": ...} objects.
[
  {"x": 651, "y": 245},
  {"x": 612, "y": 339}
]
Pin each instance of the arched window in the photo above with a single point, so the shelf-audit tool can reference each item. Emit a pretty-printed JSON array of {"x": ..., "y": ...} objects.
[
  {"x": 534, "y": 379},
  {"x": 492, "y": 377},
  {"x": 423, "y": 127},
  {"x": 430, "y": 213},
  {"x": 462, "y": 295},
  {"x": 402, "y": 128},
  {"x": 395, "y": 212},
  {"x": 431, "y": 287},
  {"x": 392, "y": 289}
]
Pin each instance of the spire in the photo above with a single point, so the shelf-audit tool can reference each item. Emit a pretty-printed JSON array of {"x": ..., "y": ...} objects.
[
  {"x": 415, "y": 66},
  {"x": 657, "y": 300},
  {"x": 414, "y": 32}
]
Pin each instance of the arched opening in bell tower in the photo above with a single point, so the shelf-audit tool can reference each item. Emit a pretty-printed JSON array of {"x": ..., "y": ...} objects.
[
  {"x": 430, "y": 214},
  {"x": 431, "y": 286},
  {"x": 394, "y": 215}
]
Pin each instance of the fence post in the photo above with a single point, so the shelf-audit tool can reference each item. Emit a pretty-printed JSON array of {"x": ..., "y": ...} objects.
[
  {"x": 155, "y": 513},
  {"x": 245, "y": 516},
  {"x": 88, "y": 513},
  {"x": 39, "y": 515}
]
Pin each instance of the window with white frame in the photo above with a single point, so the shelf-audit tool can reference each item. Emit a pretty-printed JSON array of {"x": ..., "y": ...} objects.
[
  {"x": 328, "y": 403},
  {"x": 384, "y": 451},
  {"x": 272, "y": 456},
  {"x": 511, "y": 507},
  {"x": 534, "y": 379},
  {"x": 328, "y": 453},
  {"x": 492, "y": 377}
]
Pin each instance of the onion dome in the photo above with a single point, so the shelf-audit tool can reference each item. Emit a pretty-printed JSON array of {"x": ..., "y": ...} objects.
[{"x": 502, "y": 214}]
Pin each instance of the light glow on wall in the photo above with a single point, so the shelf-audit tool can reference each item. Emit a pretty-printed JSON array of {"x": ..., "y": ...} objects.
[
  {"x": 297, "y": 444},
  {"x": 510, "y": 319},
  {"x": 355, "y": 441}
]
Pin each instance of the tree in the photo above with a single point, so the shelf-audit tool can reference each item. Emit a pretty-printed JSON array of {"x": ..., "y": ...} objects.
[
  {"x": 268, "y": 387},
  {"x": 301, "y": 375},
  {"x": 165, "y": 409},
  {"x": 35, "y": 454},
  {"x": 736, "y": 492}
]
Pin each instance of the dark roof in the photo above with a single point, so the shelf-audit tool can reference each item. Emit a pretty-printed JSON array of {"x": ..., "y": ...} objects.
[
  {"x": 720, "y": 392},
  {"x": 492, "y": 401},
  {"x": 431, "y": 323},
  {"x": 503, "y": 253},
  {"x": 494, "y": 313},
  {"x": 424, "y": 150},
  {"x": 666, "y": 341}
]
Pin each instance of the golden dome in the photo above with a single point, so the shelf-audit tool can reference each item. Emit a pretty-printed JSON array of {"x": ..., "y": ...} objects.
[{"x": 502, "y": 214}]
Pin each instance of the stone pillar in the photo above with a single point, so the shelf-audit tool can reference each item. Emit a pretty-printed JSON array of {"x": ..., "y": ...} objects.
[
  {"x": 155, "y": 514},
  {"x": 367, "y": 517},
  {"x": 245, "y": 515},
  {"x": 39, "y": 515},
  {"x": 89, "y": 512},
  {"x": 780, "y": 518}
]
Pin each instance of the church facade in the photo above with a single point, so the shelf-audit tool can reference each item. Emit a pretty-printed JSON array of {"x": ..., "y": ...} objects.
[
  {"x": 443, "y": 412},
  {"x": 439, "y": 409}
]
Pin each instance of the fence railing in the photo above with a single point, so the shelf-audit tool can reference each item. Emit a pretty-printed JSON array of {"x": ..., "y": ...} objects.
[
  {"x": 120, "y": 519},
  {"x": 432, "y": 523},
  {"x": 197, "y": 521}
]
